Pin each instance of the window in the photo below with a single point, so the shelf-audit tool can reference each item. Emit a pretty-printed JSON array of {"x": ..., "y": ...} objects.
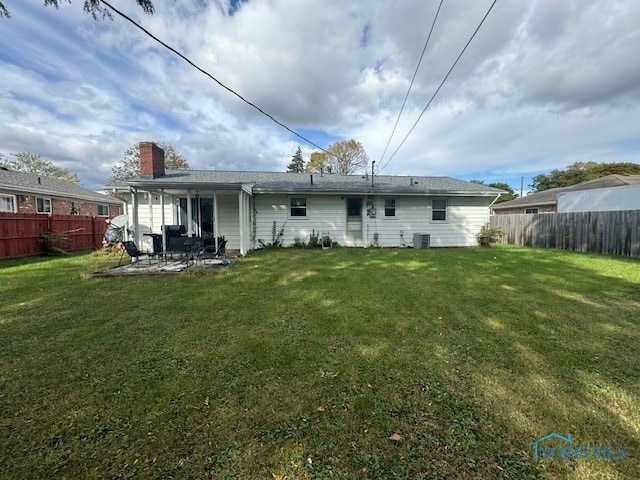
[
  {"x": 44, "y": 205},
  {"x": 7, "y": 203},
  {"x": 531, "y": 210},
  {"x": 298, "y": 207},
  {"x": 439, "y": 209},
  {"x": 354, "y": 207},
  {"x": 389, "y": 207},
  {"x": 103, "y": 210},
  {"x": 75, "y": 208}
]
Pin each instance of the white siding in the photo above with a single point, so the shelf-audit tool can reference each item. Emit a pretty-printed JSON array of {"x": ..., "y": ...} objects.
[
  {"x": 229, "y": 225},
  {"x": 327, "y": 214},
  {"x": 150, "y": 221}
]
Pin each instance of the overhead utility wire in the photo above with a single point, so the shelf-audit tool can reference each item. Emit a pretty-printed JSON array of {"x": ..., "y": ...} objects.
[
  {"x": 441, "y": 84},
  {"x": 411, "y": 85},
  {"x": 129, "y": 19}
]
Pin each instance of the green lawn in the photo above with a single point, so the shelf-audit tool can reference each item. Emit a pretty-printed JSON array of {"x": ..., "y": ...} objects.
[{"x": 301, "y": 364}]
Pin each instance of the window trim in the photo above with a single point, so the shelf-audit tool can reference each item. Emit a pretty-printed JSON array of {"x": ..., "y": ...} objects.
[
  {"x": 537, "y": 210},
  {"x": 104, "y": 205},
  {"x": 47, "y": 199},
  {"x": 306, "y": 207},
  {"x": 395, "y": 208},
  {"x": 445, "y": 210},
  {"x": 14, "y": 201}
]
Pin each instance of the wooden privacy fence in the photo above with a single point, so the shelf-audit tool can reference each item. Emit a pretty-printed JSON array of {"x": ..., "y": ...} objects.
[
  {"x": 616, "y": 232},
  {"x": 19, "y": 232}
]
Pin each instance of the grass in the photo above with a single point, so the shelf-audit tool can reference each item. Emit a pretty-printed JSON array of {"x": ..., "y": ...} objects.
[{"x": 302, "y": 364}]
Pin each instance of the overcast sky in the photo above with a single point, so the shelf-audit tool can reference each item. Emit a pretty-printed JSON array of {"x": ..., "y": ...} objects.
[{"x": 544, "y": 84}]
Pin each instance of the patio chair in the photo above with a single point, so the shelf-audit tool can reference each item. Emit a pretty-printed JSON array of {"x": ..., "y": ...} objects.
[
  {"x": 132, "y": 250},
  {"x": 222, "y": 247}
]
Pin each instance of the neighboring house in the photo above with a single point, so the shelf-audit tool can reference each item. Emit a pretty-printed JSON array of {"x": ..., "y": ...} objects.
[
  {"x": 601, "y": 200},
  {"x": 30, "y": 193},
  {"x": 547, "y": 200},
  {"x": 354, "y": 210}
]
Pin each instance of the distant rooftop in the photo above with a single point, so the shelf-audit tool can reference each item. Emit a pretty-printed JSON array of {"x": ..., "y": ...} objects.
[
  {"x": 549, "y": 197},
  {"x": 21, "y": 182}
]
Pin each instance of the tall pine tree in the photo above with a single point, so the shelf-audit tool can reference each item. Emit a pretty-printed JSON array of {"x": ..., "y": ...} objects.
[{"x": 297, "y": 163}]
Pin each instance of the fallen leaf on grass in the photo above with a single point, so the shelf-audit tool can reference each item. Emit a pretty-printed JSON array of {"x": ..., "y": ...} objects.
[
  {"x": 320, "y": 409},
  {"x": 395, "y": 437}
]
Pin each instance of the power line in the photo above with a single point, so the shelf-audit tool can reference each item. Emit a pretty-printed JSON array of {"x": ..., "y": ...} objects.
[
  {"x": 412, "y": 80},
  {"x": 230, "y": 90},
  {"x": 441, "y": 84}
]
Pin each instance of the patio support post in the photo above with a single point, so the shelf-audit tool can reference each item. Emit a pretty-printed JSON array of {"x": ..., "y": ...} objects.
[
  {"x": 150, "y": 206},
  {"x": 189, "y": 213},
  {"x": 134, "y": 212},
  {"x": 216, "y": 226},
  {"x": 164, "y": 234}
]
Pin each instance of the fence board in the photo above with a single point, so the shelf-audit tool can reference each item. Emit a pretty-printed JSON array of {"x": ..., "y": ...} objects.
[
  {"x": 615, "y": 232},
  {"x": 19, "y": 232}
]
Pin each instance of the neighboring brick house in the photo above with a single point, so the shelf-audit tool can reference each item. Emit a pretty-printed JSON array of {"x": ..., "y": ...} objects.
[
  {"x": 547, "y": 200},
  {"x": 30, "y": 193}
]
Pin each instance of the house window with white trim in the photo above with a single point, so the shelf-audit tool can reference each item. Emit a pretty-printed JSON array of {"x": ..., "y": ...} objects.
[
  {"x": 298, "y": 207},
  {"x": 389, "y": 207},
  {"x": 7, "y": 203},
  {"x": 103, "y": 210},
  {"x": 531, "y": 210},
  {"x": 43, "y": 205},
  {"x": 439, "y": 209}
]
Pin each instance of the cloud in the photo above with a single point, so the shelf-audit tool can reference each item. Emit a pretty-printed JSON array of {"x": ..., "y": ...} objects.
[{"x": 542, "y": 85}]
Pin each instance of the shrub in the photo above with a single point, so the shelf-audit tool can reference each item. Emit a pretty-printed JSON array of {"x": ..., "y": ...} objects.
[
  {"x": 53, "y": 241},
  {"x": 314, "y": 240},
  {"x": 488, "y": 236},
  {"x": 276, "y": 237}
]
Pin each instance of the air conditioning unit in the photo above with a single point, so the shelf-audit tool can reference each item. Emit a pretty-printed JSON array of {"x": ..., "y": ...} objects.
[{"x": 421, "y": 240}]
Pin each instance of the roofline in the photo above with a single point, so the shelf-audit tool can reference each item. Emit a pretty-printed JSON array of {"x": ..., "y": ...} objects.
[
  {"x": 251, "y": 188},
  {"x": 51, "y": 193},
  {"x": 503, "y": 206}
]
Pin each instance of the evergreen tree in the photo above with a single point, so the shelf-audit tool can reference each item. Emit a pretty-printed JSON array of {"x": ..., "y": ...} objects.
[{"x": 297, "y": 163}]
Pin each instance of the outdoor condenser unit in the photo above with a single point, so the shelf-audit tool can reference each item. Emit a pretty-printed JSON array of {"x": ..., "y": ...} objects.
[{"x": 421, "y": 240}]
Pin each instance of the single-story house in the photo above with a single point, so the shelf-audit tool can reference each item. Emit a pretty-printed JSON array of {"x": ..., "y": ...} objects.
[
  {"x": 354, "y": 210},
  {"x": 547, "y": 200},
  {"x": 22, "y": 192}
]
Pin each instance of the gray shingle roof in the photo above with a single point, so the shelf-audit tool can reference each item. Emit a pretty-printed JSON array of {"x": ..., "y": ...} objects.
[
  {"x": 549, "y": 197},
  {"x": 283, "y": 182},
  {"x": 20, "y": 182}
]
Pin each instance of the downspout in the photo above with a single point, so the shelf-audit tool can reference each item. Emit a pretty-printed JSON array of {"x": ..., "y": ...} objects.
[{"x": 494, "y": 201}]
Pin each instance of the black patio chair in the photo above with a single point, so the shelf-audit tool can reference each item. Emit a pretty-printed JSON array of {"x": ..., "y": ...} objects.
[
  {"x": 222, "y": 247},
  {"x": 132, "y": 250}
]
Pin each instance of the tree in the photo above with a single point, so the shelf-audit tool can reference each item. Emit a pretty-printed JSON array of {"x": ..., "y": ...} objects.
[
  {"x": 505, "y": 197},
  {"x": 579, "y": 172},
  {"x": 34, "y": 163},
  {"x": 90, "y": 6},
  {"x": 502, "y": 186},
  {"x": 129, "y": 166},
  {"x": 344, "y": 158},
  {"x": 297, "y": 163}
]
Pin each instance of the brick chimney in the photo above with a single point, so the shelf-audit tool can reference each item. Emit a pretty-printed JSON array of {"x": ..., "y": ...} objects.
[{"x": 151, "y": 160}]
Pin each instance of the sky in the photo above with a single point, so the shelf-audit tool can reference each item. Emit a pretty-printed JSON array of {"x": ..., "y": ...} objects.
[{"x": 543, "y": 84}]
